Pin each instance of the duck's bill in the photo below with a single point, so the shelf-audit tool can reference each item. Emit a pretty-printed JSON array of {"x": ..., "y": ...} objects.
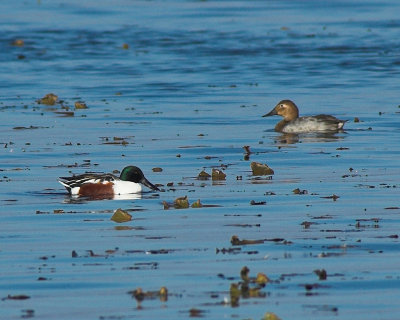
[
  {"x": 148, "y": 184},
  {"x": 271, "y": 113}
]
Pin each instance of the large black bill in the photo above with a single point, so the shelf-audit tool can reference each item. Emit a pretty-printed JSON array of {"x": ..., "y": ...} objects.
[
  {"x": 148, "y": 184},
  {"x": 271, "y": 113}
]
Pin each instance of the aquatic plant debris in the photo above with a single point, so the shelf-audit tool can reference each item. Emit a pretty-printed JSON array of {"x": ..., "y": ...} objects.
[
  {"x": 203, "y": 175},
  {"x": 196, "y": 313},
  {"x": 321, "y": 273},
  {"x": 270, "y": 316},
  {"x": 249, "y": 287},
  {"x": 120, "y": 216},
  {"x": 141, "y": 295},
  {"x": 262, "y": 279},
  {"x": 29, "y": 128},
  {"x": 18, "y": 43},
  {"x": 80, "y": 105},
  {"x": 197, "y": 204},
  {"x": 257, "y": 203},
  {"x": 260, "y": 169},
  {"x": 218, "y": 174},
  {"x": 16, "y": 297},
  {"x": 237, "y": 242},
  {"x": 298, "y": 191},
  {"x": 49, "y": 99},
  {"x": 334, "y": 197},
  {"x": 247, "y": 150},
  {"x": 181, "y": 203},
  {"x": 234, "y": 250},
  {"x": 307, "y": 224}
]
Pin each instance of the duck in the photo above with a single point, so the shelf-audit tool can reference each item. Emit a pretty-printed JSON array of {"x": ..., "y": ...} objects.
[
  {"x": 107, "y": 184},
  {"x": 292, "y": 123}
]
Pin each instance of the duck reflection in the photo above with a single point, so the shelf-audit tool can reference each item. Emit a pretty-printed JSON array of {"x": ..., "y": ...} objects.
[
  {"x": 293, "y": 138},
  {"x": 80, "y": 199}
]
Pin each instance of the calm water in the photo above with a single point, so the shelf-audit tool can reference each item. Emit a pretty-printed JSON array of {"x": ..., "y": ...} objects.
[{"x": 185, "y": 94}]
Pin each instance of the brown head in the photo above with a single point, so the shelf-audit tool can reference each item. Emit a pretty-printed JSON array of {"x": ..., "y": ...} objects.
[{"x": 286, "y": 109}]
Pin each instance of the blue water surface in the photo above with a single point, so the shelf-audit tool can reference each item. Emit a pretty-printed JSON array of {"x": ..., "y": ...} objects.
[{"x": 182, "y": 85}]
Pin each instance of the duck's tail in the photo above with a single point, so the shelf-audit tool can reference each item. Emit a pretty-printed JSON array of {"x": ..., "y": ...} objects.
[
  {"x": 64, "y": 181},
  {"x": 341, "y": 124}
]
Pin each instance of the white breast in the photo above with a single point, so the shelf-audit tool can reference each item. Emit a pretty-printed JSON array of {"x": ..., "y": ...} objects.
[{"x": 125, "y": 187}]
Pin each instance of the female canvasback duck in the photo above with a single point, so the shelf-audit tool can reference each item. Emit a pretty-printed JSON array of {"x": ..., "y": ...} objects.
[
  {"x": 292, "y": 123},
  {"x": 107, "y": 184}
]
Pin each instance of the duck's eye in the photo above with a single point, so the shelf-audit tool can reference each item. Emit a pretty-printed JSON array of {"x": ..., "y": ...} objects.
[{"x": 282, "y": 106}]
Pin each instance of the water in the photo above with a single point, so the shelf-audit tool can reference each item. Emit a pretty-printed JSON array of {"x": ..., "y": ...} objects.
[{"x": 186, "y": 95}]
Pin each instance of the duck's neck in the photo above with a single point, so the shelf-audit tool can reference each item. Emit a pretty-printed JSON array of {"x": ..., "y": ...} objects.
[{"x": 280, "y": 125}]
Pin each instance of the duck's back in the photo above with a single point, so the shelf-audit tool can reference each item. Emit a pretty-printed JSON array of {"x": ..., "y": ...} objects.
[
  {"x": 318, "y": 123},
  {"x": 73, "y": 184}
]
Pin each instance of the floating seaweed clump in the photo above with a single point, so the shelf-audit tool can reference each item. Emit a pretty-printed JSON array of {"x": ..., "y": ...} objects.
[
  {"x": 182, "y": 203},
  {"x": 218, "y": 174},
  {"x": 321, "y": 273},
  {"x": 196, "y": 313},
  {"x": 203, "y": 175},
  {"x": 120, "y": 216},
  {"x": 235, "y": 241},
  {"x": 334, "y": 197},
  {"x": 270, "y": 316},
  {"x": 141, "y": 295},
  {"x": 249, "y": 287},
  {"x": 260, "y": 169},
  {"x": 49, "y": 99},
  {"x": 18, "y": 43},
  {"x": 247, "y": 152},
  {"x": 298, "y": 191},
  {"x": 197, "y": 204},
  {"x": 80, "y": 105},
  {"x": 16, "y": 297}
]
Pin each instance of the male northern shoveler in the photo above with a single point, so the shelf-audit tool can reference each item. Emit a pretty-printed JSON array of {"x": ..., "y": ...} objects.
[
  {"x": 292, "y": 123},
  {"x": 92, "y": 185}
]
